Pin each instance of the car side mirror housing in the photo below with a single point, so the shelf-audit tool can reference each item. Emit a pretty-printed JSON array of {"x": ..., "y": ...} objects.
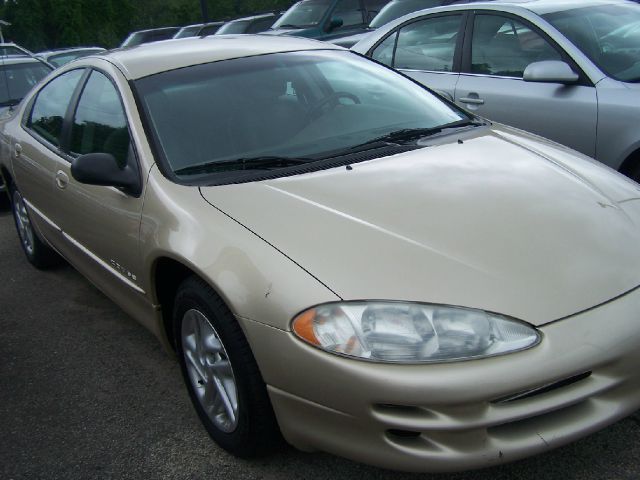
[
  {"x": 550, "y": 71},
  {"x": 103, "y": 169},
  {"x": 334, "y": 23}
]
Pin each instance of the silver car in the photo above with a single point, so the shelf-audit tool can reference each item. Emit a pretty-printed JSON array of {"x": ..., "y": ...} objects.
[{"x": 566, "y": 70}]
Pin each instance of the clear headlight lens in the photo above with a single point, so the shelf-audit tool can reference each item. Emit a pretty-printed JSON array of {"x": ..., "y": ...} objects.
[{"x": 411, "y": 332}]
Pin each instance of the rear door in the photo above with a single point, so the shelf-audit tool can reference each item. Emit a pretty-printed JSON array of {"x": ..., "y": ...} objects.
[
  {"x": 36, "y": 149},
  {"x": 498, "y": 48},
  {"x": 427, "y": 49}
]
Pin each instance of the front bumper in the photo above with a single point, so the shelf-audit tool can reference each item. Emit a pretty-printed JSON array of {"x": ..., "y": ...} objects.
[{"x": 448, "y": 417}]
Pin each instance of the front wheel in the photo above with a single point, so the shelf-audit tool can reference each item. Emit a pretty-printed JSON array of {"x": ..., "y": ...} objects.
[
  {"x": 37, "y": 252},
  {"x": 221, "y": 374}
]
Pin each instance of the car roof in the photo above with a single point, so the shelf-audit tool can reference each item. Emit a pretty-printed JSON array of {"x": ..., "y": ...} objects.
[
  {"x": 539, "y": 6},
  {"x": 253, "y": 17},
  {"x": 202, "y": 24},
  {"x": 18, "y": 59},
  {"x": 150, "y": 58},
  {"x": 57, "y": 51},
  {"x": 160, "y": 29}
]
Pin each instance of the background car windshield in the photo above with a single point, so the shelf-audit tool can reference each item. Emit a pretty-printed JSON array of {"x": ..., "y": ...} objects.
[
  {"x": 17, "y": 80},
  {"x": 188, "y": 31},
  {"x": 303, "y": 14},
  {"x": 609, "y": 35},
  {"x": 233, "y": 27},
  {"x": 294, "y": 105},
  {"x": 397, "y": 9}
]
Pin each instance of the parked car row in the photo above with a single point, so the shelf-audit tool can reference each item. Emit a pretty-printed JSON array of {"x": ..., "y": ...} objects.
[{"x": 244, "y": 25}]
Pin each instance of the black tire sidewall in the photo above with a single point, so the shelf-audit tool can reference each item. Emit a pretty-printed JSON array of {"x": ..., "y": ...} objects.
[{"x": 193, "y": 294}]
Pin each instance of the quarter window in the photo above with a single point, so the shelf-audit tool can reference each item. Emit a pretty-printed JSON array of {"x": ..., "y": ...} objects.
[
  {"x": 505, "y": 47},
  {"x": 384, "y": 52},
  {"x": 428, "y": 44},
  {"x": 50, "y": 107},
  {"x": 100, "y": 124}
]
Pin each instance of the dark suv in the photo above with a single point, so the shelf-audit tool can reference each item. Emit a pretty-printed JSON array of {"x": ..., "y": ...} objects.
[{"x": 327, "y": 19}]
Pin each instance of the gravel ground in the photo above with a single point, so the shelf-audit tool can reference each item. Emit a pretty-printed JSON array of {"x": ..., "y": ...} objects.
[{"x": 85, "y": 392}]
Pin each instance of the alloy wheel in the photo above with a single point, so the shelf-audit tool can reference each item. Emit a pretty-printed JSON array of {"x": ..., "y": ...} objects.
[{"x": 209, "y": 370}]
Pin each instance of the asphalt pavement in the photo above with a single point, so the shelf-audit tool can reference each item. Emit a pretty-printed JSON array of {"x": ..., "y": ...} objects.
[{"x": 86, "y": 392}]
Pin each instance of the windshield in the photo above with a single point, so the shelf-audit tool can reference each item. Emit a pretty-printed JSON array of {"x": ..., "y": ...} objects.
[
  {"x": 303, "y": 14},
  {"x": 609, "y": 35},
  {"x": 190, "y": 31},
  {"x": 233, "y": 27},
  {"x": 16, "y": 80},
  {"x": 298, "y": 105}
]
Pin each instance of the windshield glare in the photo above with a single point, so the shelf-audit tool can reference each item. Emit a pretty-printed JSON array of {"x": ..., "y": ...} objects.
[
  {"x": 609, "y": 35},
  {"x": 304, "y": 14},
  {"x": 297, "y": 105}
]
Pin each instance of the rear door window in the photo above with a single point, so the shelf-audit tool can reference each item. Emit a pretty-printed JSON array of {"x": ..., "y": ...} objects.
[
  {"x": 49, "y": 109},
  {"x": 428, "y": 44}
]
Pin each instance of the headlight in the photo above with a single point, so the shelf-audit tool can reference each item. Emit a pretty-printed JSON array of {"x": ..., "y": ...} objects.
[{"x": 411, "y": 332}]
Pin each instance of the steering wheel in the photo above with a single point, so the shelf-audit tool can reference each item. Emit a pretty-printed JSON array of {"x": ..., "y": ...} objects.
[{"x": 332, "y": 101}]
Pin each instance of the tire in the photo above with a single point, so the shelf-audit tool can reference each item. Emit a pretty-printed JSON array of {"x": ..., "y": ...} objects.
[
  {"x": 634, "y": 173},
  {"x": 38, "y": 253},
  {"x": 212, "y": 350}
]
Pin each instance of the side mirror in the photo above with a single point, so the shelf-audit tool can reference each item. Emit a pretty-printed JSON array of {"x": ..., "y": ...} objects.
[
  {"x": 550, "y": 71},
  {"x": 103, "y": 169},
  {"x": 334, "y": 23}
]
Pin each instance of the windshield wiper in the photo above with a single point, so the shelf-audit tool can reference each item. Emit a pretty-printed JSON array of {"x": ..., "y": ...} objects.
[
  {"x": 408, "y": 134},
  {"x": 287, "y": 25},
  {"x": 249, "y": 163}
]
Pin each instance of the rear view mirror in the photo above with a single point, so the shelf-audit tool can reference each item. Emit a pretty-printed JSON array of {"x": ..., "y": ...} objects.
[
  {"x": 103, "y": 169},
  {"x": 334, "y": 23},
  {"x": 550, "y": 71}
]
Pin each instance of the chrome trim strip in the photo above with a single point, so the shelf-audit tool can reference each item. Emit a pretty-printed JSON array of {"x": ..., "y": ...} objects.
[
  {"x": 427, "y": 71},
  {"x": 102, "y": 263},
  {"x": 42, "y": 215},
  {"x": 465, "y": 74}
]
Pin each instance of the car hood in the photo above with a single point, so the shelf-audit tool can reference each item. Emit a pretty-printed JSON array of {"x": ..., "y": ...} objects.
[
  {"x": 504, "y": 222},
  {"x": 296, "y": 32},
  {"x": 349, "y": 41}
]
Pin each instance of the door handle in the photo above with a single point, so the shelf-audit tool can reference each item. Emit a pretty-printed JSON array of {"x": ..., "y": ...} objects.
[
  {"x": 62, "y": 180},
  {"x": 472, "y": 101},
  {"x": 17, "y": 150}
]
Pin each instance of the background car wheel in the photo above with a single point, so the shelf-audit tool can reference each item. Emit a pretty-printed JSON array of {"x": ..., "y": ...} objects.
[
  {"x": 221, "y": 374},
  {"x": 38, "y": 253}
]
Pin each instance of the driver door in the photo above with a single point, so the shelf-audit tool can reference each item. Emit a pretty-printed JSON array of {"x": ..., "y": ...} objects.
[
  {"x": 100, "y": 224},
  {"x": 491, "y": 84}
]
